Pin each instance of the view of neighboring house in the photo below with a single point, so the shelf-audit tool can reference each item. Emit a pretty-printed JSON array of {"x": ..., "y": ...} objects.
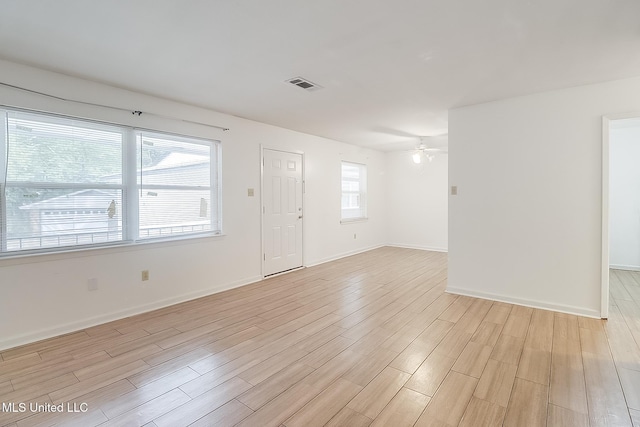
[
  {"x": 95, "y": 215},
  {"x": 77, "y": 218}
]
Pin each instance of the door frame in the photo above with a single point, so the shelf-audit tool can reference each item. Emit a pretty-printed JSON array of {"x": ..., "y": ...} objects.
[
  {"x": 262, "y": 261},
  {"x": 606, "y": 121}
]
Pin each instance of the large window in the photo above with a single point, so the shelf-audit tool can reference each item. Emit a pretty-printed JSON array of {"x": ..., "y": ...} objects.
[
  {"x": 354, "y": 191},
  {"x": 72, "y": 183}
]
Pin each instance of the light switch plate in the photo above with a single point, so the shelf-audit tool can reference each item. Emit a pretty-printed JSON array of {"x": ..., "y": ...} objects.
[
  {"x": 454, "y": 190},
  {"x": 250, "y": 192}
]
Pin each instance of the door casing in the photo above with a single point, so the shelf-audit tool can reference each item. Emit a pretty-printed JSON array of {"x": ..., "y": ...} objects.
[{"x": 606, "y": 120}]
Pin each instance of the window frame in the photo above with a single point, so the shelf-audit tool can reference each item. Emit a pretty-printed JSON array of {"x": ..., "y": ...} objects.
[
  {"x": 361, "y": 193},
  {"x": 128, "y": 186}
]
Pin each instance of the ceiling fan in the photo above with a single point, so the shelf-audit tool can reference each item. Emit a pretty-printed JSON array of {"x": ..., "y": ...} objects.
[{"x": 423, "y": 152}]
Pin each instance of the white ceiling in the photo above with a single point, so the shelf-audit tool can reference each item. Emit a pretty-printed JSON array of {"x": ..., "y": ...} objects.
[{"x": 390, "y": 69}]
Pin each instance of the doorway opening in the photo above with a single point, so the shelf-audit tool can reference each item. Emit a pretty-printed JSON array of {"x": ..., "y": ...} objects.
[{"x": 620, "y": 211}]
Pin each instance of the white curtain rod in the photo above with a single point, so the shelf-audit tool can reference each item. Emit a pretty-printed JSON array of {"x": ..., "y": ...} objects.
[{"x": 134, "y": 112}]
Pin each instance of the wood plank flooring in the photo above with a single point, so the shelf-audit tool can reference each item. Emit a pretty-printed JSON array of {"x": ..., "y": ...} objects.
[{"x": 371, "y": 339}]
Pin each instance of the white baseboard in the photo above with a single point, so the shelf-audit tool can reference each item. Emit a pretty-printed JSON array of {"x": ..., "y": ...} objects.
[
  {"x": 342, "y": 255},
  {"x": 526, "y": 302},
  {"x": 11, "y": 342},
  {"x": 423, "y": 248},
  {"x": 624, "y": 267}
]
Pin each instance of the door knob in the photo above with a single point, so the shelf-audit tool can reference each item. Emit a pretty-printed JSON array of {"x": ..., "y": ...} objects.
[{"x": 300, "y": 217}]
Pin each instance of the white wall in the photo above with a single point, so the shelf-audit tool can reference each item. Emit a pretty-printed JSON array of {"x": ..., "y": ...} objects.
[
  {"x": 42, "y": 296},
  {"x": 526, "y": 224},
  {"x": 624, "y": 194},
  {"x": 417, "y": 201}
]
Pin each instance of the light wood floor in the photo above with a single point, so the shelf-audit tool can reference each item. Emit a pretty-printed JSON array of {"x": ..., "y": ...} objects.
[{"x": 367, "y": 340}]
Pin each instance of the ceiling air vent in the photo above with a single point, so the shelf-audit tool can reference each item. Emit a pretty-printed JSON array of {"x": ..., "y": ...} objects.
[{"x": 304, "y": 84}]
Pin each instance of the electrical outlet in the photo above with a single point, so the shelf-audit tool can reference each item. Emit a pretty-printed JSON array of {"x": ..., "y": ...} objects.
[
  {"x": 92, "y": 284},
  {"x": 250, "y": 192},
  {"x": 145, "y": 275}
]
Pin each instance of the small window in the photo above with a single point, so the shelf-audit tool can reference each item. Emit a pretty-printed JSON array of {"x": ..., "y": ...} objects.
[{"x": 354, "y": 191}]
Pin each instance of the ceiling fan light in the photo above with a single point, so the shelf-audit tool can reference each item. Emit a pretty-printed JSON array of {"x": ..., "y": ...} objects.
[{"x": 417, "y": 157}]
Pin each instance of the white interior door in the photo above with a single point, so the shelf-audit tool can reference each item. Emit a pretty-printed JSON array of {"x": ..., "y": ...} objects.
[{"x": 282, "y": 211}]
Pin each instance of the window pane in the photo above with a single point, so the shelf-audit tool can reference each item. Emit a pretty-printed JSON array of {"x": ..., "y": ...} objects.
[
  {"x": 61, "y": 150},
  {"x": 174, "y": 184},
  {"x": 44, "y": 218},
  {"x": 350, "y": 186},
  {"x": 350, "y": 201},
  {"x": 167, "y": 212},
  {"x": 350, "y": 171},
  {"x": 163, "y": 161},
  {"x": 353, "y": 190}
]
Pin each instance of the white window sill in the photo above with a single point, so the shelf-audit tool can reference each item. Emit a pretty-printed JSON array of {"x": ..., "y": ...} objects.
[
  {"x": 68, "y": 253},
  {"x": 352, "y": 220}
]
